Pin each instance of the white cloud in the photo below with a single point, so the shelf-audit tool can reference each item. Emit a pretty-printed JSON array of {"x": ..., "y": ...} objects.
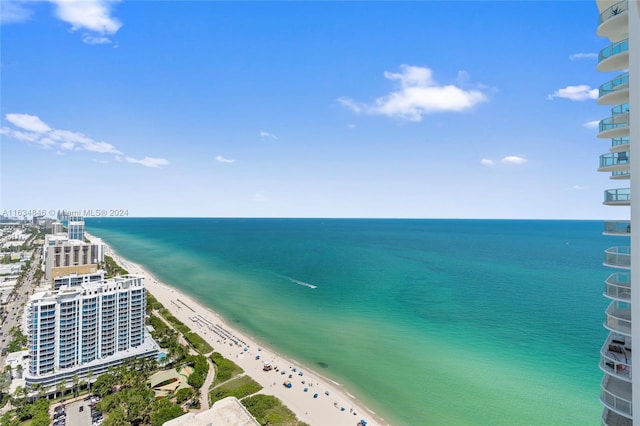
[
  {"x": 592, "y": 124},
  {"x": 418, "y": 95},
  {"x": 577, "y": 56},
  {"x": 12, "y": 11},
  {"x": 221, "y": 159},
  {"x": 89, "y": 39},
  {"x": 148, "y": 161},
  {"x": 581, "y": 92},
  {"x": 31, "y": 129},
  {"x": 487, "y": 162},
  {"x": 578, "y": 187},
  {"x": 28, "y": 122},
  {"x": 264, "y": 134},
  {"x": 513, "y": 159},
  {"x": 93, "y": 15}
]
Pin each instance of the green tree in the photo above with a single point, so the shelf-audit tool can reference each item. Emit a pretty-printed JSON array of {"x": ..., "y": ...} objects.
[
  {"x": 103, "y": 385},
  {"x": 76, "y": 382},
  {"x": 164, "y": 413},
  {"x": 61, "y": 387},
  {"x": 185, "y": 394},
  {"x": 89, "y": 377}
]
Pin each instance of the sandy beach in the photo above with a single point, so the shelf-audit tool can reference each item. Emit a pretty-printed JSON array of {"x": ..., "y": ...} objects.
[{"x": 333, "y": 406}]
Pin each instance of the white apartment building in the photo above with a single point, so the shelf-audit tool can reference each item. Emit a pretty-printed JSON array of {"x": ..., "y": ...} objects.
[
  {"x": 619, "y": 22},
  {"x": 85, "y": 329}
]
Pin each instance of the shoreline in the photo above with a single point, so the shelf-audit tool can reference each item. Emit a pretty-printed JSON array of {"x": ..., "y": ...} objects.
[{"x": 333, "y": 406}]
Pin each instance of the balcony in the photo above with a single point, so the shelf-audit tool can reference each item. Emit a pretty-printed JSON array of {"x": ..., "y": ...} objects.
[
  {"x": 617, "y": 227},
  {"x": 611, "y": 418},
  {"x": 615, "y": 91},
  {"x": 614, "y": 161},
  {"x": 618, "y": 257},
  {"x": 618, "y": 318},
  {"x": 622, "y": 174},
  {"x": 619, "y": 144},
  {"x": 618, "y": 287},
  {"x": 614, "y": 57},
  {"x": 617, "y": 125},
  {"x": 615, "y": 357},
  {"x": 614, "y": 22},
  {"x": 616, "y": 395},
  {"x": 617, "y": 197}
]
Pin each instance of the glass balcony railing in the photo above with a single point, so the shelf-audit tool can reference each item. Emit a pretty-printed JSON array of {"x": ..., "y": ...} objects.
[
  {"x": 613, "y": 49},
  {"x": 614, "y": 159},
  {"x": 616, "y": 394},
  {"x": 619, "y": 195},
  {"x": 620, "y": 82},
  {"x": 618, "y": 286},
  {"x": 615, "y": 142},
  {"x": 620, "y": 174},
  {"x": 617, "y": 227},
  {"x": 620, "y": 109},
  {"x": 618, "y": 257},
  {"x": 611, "y": 418},
  {"x": 615, "y": 10},
  {"x": 615, "y": 122}
]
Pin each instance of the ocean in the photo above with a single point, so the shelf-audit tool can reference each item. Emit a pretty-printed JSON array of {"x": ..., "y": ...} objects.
[{"x": 428, "y": 322}]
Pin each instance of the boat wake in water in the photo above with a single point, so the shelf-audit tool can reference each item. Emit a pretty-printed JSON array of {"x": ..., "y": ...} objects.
[{"x": 293, "y": 280}]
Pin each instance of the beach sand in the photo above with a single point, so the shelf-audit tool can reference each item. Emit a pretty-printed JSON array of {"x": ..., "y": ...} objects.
[{"x": 334, "y": 406}]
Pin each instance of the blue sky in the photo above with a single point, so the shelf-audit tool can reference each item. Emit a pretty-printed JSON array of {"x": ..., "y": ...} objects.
[{"x": 303, "y": 109}]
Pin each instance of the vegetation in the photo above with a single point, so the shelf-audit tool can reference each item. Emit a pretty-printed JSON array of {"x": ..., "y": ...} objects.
[
  {"x": 269, "y": 410},
  {"x": 200, "y": 370},
  {"x": 164, "y": 411},
  {"x": 194, "y": 339},
  {"x": 112, "y": 269},
  {"x": 37, "y": 413},
  {"x": 152, "y": 303},
  {"x": 225, "y": 369},
  {"x": 198, "y": 343},
  {"x": 18, "y": 341},
  {"x": 239, "y": 387},
  {"x": 128, "y": 400},
  {"x": 186, "y": 394}
]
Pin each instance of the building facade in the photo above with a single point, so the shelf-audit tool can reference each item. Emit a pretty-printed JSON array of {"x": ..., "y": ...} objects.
[
  {"x": 85, "y": 329},
  {"x": 75, "y": 227},
  {"x": 619, "y": 23},
  {"x": 64, "y": 256}
]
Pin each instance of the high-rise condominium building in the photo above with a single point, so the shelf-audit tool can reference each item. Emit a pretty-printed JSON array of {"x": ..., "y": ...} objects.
[
  {"x": 620, "y": 23},
  {"x": 63, "y": 256},
  {"x": 75, "y": 227},
  {"x": 84, "y": 329}
]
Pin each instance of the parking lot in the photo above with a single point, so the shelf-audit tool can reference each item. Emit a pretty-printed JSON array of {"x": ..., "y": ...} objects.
[{"x": 77, "y": 413}]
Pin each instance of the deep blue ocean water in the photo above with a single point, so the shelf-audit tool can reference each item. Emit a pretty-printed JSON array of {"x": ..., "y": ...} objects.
[{"x": 443, "y": 322}]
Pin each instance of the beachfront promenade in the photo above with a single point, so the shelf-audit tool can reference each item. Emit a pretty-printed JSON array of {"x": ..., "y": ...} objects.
[{"x": 332, "y": 404}]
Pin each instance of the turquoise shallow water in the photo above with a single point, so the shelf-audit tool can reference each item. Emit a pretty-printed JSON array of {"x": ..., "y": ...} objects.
[{"x": 456, "y": 322}]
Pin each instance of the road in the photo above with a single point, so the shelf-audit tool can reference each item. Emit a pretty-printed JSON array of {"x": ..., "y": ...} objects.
[{"x": 14, "y": 306}]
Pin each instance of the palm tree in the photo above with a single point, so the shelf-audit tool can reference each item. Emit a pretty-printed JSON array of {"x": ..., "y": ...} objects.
[
  {"x": 61, "y": 387},
  {"x": 76, "y": 381},
  {"x": 89, "y": 376}
]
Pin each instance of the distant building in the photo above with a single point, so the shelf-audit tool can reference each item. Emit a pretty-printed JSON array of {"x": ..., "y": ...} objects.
[
  {"x": 57, "y": 228},
  {"x": 64, "y": 256},
  {"x": 86, "y": 328},
  {"x": 75, "y": 228}
]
